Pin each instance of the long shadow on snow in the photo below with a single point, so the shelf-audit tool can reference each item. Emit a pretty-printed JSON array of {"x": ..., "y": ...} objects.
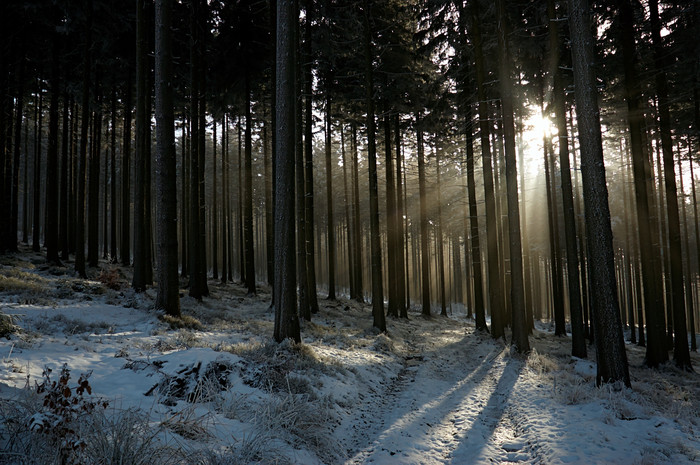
[
  {"x": 406, "y": 414},
  {"x": 481, "y": 431}
]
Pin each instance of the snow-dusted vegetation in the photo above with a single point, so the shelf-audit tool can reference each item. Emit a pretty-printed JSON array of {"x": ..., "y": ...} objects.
[{"x": 90, "y": 373}]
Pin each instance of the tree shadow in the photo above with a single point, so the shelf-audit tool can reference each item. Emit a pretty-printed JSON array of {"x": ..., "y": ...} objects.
[{"x": 475, "y": 439}]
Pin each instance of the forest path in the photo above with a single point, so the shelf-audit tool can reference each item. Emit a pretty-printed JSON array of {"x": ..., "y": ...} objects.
[{"x": 450, "y": 404}]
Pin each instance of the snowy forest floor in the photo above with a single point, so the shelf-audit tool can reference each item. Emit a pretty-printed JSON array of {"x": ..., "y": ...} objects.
[{"x": 213, "y": 387}]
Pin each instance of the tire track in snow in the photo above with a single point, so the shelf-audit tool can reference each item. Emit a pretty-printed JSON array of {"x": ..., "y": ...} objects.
[{"x": 449, "y": 405}]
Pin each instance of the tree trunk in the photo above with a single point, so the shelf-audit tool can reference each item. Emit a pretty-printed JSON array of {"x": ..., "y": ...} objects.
[
  {"x": 517, "y": 291},
  {"x": 36, "y": 195},
  {"x": 307, "y": 151},
  {"x": 329, "y": 201},
  {"x": 578, "y": 338},
  {"x": 681, "y": 354},
  {"x": 375, "y": 245},
  {"x": 93, "y": 200},
  {"x": 125, "y": 249},
  {"x": 440, "y": 237},
  {"x": 494, "y": 286},
  {"x": 64, "y": 190},
  {"x": 82, "y": 155},
  {"x": 139, "y": 282},
  {"x": 286, "y": 318},
  {"x": 168, "y": 297},
  {"x": 653, "y": 300},
  {"x": 248, "y": 205},
  {"x": 400, "y": 262},
  {"x": 424, "y": 251},
  {"x": 214, "y": 211},
  {"x": 14, "y": 222},
  {"x": 51, "y": 234},
  {"x": 392, "y": 308},
  {"x": 357, "y": 224},
  {"x": 610, "y": 345}
]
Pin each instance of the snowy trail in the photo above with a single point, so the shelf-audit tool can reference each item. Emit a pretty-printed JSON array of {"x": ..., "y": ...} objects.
[{"x": 448, "y": 405}]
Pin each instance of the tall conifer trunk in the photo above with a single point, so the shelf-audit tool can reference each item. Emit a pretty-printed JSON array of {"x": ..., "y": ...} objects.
[
  {"x": 82, "y": 155},
  {"x": 168, "y": 297},
  {"x": 494, "y": 279},
  {"x": 52, "y": 159},
  {"x": 610, "y": 346},
  {"x": 375, "y": 239},
  {"x": 517, "y": 291},
  {"x": 648, "y": 234}
]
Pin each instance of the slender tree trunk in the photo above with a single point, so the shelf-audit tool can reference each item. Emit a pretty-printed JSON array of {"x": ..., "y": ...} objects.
[
  {"x": 307, "y": 151},
  {"x": 51, "y": 234},
  {"x": 93, "y": 200},
  {"x": 440, "y": 238},
  {"x": 168, "y": 297},
  {"x": 578, "y": 337},
  {"x": 14, "y": 221},
  {"x": 224, "y": 202},
  {"x": 424, "y": 251},
  {"x": 269, "y": 208},
  {"x": 357, "y": 225},
  {"x": 139, "y": 282},
  {"x": 610, "y": 345},
  {"x": 329, "y": 200},
  {"x": 392, "y": 308},
  {"x": 479, "y": 310},
  {"x": 400, "y": 271},
  {"x": 125, "y": 249},
  {"x": 494, "y": 286},
  {"x": 248, "y": 205},
  {"x": 64, "y": 190},
  {"x": 687, "y": 281},
  {"x": 285, "y": 298},
  {"x": 346, "y": 203},
  {"x": 375, "y": 245},
  {"x": 517, "y": 291},
  {"x": 82, "y": 155},
  {"x": 214, "y": 211},
  {"x": 681, "y": 354},
  {"x": 36, "y": 195},
  {"x": 653, "y": 300}
]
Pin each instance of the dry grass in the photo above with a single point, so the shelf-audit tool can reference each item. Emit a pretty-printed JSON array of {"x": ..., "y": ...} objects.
[
  {"x": 16, "y": 281},
  {"x": 181, "y": 322}
]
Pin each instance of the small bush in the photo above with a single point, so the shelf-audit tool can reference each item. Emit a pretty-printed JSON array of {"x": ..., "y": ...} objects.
[
  {"x": 63, "y": 410},
  {"x": 182, "y": 322},
  {"x": 7, "y": 326},
  {"x": 111, "y": 279}
]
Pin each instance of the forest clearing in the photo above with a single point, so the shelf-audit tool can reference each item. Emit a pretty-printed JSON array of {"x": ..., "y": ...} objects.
[{"x": 218, "y": 390}]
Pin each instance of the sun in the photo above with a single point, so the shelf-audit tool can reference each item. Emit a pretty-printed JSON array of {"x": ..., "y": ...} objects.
[{"x": 539, "y": 125}]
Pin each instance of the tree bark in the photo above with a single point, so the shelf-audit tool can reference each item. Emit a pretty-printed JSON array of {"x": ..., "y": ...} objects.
[
  {"x": 653, "y": 300},
  {"x": 286, "y": 318},
  {"x": 375, "y": 244},
  {"x": 82, "y": 155},
  {"x": 494, "y": 283},
  {"x": 610, "y": 346},
  {"x": 51, "y": 204},
  {"x": 248, "y": 206},
  {"x": 578, "y": 338},
  {"x": 517, "y": 290},
  {"x": 168, "y": 297},
  {"x": 424, "y": 251},
  {"x": 681, "y": 354}
]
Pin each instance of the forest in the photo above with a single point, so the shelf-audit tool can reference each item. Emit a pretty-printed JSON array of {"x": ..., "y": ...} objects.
[{"x": 514, "y": 165}]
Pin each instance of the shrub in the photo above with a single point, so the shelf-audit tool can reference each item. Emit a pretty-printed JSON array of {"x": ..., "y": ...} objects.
[{"x": 63, "y": 410}]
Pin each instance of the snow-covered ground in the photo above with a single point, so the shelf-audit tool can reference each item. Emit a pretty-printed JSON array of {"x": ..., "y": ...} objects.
[{"x": 214, "y": 388}]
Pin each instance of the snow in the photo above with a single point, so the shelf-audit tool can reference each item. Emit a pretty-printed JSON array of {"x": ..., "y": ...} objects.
[{"x": 431, "y": 391}]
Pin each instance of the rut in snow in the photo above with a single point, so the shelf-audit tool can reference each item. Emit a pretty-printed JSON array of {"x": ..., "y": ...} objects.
[{"x": 468, "y": 382}]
